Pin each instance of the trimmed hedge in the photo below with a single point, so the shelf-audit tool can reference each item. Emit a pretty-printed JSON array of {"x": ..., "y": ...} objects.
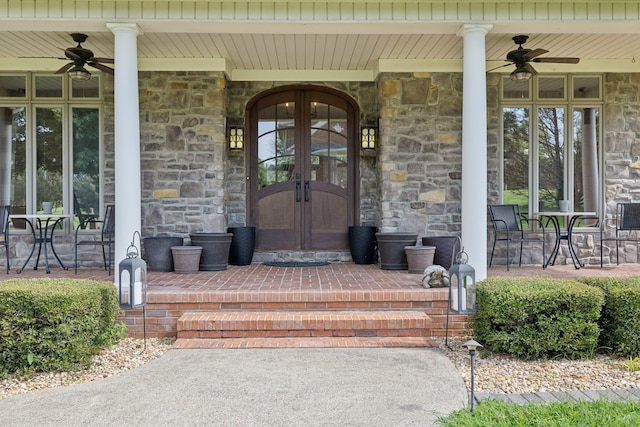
[
  {"x": 54, "y": 324},
  {"x": 538, "y": 317},
  {"x": 620, "y": 321}
]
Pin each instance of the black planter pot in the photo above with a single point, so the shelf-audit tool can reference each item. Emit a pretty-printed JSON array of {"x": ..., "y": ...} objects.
[
  {"x": 158, "y": 252},
  {"x": 243, "y": 244},
  {"x": 391, "y": 247},
  {"x": 215, "y": 250},
  {"x": 362, "y": 243},
  {"x": 446, "y": 249}
]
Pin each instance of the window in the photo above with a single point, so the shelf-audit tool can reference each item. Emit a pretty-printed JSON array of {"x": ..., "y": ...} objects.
[
  {"x": 551, "y": 145},
  {"x": 50, "y": 145}
]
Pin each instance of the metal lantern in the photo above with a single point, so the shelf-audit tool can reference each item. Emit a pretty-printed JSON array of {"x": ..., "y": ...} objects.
[
  {"x": 462, "y": 285},
  {"x": 133, "y": 293}
]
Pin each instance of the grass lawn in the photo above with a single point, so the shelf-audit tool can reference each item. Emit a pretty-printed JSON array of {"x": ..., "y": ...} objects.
[{"x": 570, "y": 414}]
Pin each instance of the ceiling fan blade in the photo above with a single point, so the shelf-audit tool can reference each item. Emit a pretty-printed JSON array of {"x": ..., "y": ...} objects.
[
  {"x": 64, "y": 68},
  {"x": 499, "y": 66},
  {"x": 534, "y": 53},
  {"x": 102, "y": 68},
  {"x": 105, "y": 60},
  {"x": 558, "y": 60}
]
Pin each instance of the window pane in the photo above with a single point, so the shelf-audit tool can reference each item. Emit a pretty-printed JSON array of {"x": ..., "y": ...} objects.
[
  {"x": 515, "y": 90},
  {"x": 516, "y": 157},
  {"x": 49, "y": 157},
  {"x": 86, "y": 163},
  {"x": 276, "y": 144},
  {"x": 86, "y": 88},
  {"x": 551, "y": 87},
  {"x": 48, "y": 87},
  {"x": 13, "y": 86},
  {"x": 551, "y": 156},
  {"x": 585, "y": 148},
  {"x": 328, "y": 144},
  {"x": 586, "y": 87},
  {"x": 13, "y": 163}
]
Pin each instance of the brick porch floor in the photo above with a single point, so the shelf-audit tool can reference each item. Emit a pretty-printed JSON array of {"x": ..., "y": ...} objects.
[{"x": 344, "y": 289}]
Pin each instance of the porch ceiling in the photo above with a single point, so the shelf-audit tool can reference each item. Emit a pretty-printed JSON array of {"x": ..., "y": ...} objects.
[{"x": 288, "y": 53}]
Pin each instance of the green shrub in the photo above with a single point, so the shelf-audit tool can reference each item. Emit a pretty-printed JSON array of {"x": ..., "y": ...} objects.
[
  {"x": 620, "y": 321},
  {"x": 537, "y": 317},
  {"x": 54, "y": 324}
]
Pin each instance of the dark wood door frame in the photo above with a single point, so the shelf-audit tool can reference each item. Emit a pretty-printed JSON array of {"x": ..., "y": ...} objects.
[{"x": 304, "y": 214}]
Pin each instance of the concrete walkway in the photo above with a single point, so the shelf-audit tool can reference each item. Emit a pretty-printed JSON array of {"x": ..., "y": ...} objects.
[{"x": 257, "y": 387}]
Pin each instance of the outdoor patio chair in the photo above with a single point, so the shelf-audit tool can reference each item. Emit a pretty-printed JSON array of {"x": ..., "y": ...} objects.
[
  {"x": 85, "y": 219},
  {"x": 5, "y": 211},
  {"x": 106, "y": 240},
  {"x": 626, "y": 223},
  {"x": 507, "y": 224}
]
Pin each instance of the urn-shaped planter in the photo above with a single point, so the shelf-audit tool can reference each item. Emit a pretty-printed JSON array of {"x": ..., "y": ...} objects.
[
  {"x": 419, "y": 258},
  {"x": 186, "y": 259},
  {"x": 215, "y": 250},
  {"x": 157, "y": 251},
  {"x": 391, "y": 247}
]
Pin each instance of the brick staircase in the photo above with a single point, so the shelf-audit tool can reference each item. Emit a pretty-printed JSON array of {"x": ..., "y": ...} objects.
[{"x": 241, "y": 329}]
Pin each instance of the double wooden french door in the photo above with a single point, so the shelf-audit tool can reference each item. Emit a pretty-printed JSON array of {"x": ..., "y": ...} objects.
[{"x": 302, "y": 169}]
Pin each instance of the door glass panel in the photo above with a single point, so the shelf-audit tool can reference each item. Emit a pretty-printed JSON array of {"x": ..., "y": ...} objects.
[
  {"x": 328, "y": 144},
  {"x": 551, "y": 157},
  {"x": 49, "y": 157},
  {"x": 516, "y": 157},
  {"x": 276, "y": 144}
]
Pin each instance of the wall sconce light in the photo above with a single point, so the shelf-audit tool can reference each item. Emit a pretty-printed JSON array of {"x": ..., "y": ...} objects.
[
  {"x": 368, "y": 137},
  {"x": 236, "y": 139},
  {"x": 78, "y": 72}
]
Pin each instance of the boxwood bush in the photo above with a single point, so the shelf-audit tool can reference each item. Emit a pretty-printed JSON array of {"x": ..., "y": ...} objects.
[
  {"x": 620, "y": 321},
  {"x": 54, "y": 324},
  {"x": 538, "y": 317}
]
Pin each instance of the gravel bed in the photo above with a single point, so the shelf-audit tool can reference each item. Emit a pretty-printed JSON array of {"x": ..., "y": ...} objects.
[
  {"x": 127, "y": 354},
  {"x": 502, "y": 374},
  {"x": 493, "y": 373}
]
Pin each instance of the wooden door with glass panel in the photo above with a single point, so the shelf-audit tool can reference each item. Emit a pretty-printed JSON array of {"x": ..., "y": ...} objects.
[{"x": 302, "y": 173}]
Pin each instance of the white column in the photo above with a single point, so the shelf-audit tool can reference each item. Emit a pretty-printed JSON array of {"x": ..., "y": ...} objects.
[
  {"x": 474, "y": 147},
  {"x": 127, "y": 137}
]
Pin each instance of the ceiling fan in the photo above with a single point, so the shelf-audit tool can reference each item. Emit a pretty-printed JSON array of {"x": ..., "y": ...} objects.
[
  {"x": 522, "y": 59},
  {"x": 80, "y": 57}
]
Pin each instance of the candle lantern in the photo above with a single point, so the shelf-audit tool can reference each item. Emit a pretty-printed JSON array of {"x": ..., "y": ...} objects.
[
  {"x": 133, "y": 292},
  {"x": 462, "y": 285}
]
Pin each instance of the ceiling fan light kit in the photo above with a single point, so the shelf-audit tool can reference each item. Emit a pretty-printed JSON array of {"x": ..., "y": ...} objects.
[
  {"x": 520, "y": 74},
  {"x": 79, "y": 73}
]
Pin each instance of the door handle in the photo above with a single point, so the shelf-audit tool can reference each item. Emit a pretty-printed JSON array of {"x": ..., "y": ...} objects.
[
  {"x": 297, "y": 191},
  {"x": 306, "y": 191}
]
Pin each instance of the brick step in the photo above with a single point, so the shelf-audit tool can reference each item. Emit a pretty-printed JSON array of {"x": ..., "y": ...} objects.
[
  {"x": 315, "y": 342},
  {"x": 299, "y": 324}
]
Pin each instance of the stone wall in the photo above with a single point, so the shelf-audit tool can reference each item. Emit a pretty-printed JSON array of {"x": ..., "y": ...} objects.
[
  {"x": 421, "y": 151},
  {"x": 183, "y": 152}
]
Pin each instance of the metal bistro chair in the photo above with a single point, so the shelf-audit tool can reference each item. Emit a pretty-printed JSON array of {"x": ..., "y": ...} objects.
[
  {"x": 507, "y": 227},
  {"x": 5, "y": 211},
  {"x": 106, "y": 241},
  {"x": 627, "y": 226}
]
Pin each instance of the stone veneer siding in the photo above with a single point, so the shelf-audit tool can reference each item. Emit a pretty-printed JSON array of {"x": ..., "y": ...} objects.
[{"x": 191, "y": 182}]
